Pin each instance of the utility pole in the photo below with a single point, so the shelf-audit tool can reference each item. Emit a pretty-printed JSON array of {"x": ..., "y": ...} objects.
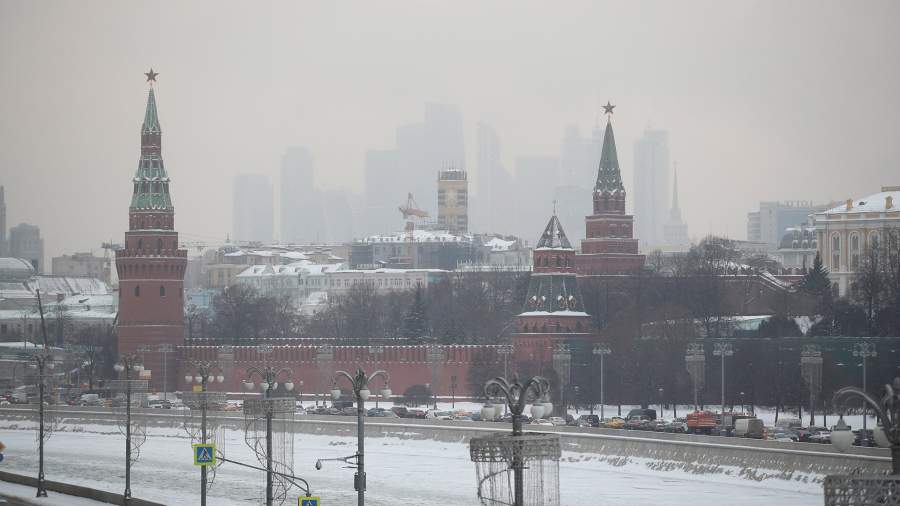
[{"x": 864, "y": 351}]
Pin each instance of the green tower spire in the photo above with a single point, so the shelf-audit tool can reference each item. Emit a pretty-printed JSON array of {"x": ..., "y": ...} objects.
[
  {"x": 151, "y": 183},
  {"x": 609, "y": 179}
]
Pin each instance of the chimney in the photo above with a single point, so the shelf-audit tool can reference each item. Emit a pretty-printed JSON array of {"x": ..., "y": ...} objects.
[
  {"x": 889, "y": 202},
  {"x": 849, "y": 204}
]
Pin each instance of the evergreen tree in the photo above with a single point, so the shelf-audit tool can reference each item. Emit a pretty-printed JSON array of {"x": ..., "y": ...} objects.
[
  {"x": 816, "y": 280},
  {"x": 415, "y": 323}
]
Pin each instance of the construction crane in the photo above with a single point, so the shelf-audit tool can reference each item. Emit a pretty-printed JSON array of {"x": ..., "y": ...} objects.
[{"x": 411, "y": 212}]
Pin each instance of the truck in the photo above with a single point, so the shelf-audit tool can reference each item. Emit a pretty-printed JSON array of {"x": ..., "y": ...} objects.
[
  {"x": 701, "y": 422},
  {"x": 749, "y": 427}
]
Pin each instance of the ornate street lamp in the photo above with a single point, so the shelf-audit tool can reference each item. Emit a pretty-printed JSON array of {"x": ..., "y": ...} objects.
[
  {"x": 42, "y": 362},
  {"x": 865, "y": 351},
  {"x": 203, "y": 374},
  {"x": 723, "y": 350},
  {"x": 695, "y": 361},
  {"x": 887, "y": 410},
  {"x": 359, "y": 382},
  {"x": 600, "y": 350},
  {"x": 127, "y": 364},
  {"x": 517, "y": 395},
  {"x": 871, "y": 488},
  {"x": 268, "y": 377}
]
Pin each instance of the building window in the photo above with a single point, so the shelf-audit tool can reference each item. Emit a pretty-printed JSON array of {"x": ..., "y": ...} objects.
[
  {"x": 873, "y": 240},
  {"x": 162, "y": 291},
  {"x": 158, "y": 246},
  {"x": 854, "y": 252},
  {"x": 137, "y": 290},
  {"x": 836, "y": 252}
]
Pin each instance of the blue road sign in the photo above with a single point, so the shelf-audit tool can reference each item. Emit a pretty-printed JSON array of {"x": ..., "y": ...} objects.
[
  {"x": 1, "y": 457},
  {"x": 309, "y": 501},
  {"x": 204, "y": 454}
]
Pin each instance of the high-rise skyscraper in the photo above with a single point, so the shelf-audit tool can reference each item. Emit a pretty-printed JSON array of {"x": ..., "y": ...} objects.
[
  {"x": 253, "y": 210},
  {"x": 651, "y": 186},
  {"x": 675, "y": 231},
  {"x": 609, "y": 246},
  {"x": 492, "y": 203},
  {"x": 151, "y": 266},
  {"x": 301, "y": 203},
  {"x": 381, "y": 200},
  {"x": 25, "y": 242},
  {"x": 453, "y": 201},
  {"x": 3, "y": 246}
]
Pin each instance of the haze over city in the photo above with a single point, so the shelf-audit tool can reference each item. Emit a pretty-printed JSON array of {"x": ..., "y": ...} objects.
[{"x": 762, "y": 100}]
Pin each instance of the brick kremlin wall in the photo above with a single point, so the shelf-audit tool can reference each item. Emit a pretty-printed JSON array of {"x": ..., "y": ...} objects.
[{"x": 315, "y": 365}]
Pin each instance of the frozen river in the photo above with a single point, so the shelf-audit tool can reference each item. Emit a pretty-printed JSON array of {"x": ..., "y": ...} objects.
[{"x": 400, "y": 471}]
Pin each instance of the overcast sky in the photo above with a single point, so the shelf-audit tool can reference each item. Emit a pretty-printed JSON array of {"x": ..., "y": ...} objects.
[{"x": 763, "y": 100}]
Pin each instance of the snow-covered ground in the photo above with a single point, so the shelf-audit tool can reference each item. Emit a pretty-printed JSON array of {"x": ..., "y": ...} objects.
[{"x": 400, "y": 471}]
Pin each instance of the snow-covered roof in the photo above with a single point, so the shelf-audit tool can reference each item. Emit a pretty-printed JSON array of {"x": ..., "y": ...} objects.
[
  {"x": 877, "y": 203},
  {"x": 554, "y": 313},
  {"x": 498, "y": 244},
  {"x": 420, "y": 236}
]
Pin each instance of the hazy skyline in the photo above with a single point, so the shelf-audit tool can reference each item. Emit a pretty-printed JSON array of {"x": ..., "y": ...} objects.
[{"x": 762, "y": 100}]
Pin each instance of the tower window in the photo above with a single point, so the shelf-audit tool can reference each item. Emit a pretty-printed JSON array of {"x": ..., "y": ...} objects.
[
  {"x": 158, "y": 246},
  {"x": 137, "y": 290},
  {"x": 162, "y": 291}
]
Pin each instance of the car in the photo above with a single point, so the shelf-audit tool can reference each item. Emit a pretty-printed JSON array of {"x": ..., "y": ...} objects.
[
  {"x": 557, "y": 420},
  {"x": 541, "y": 421},
  {"x": 591, "y": 420},
  {"x": 416, "y": 413},
  {"x": 637, "y": 423},
  {"x": 677, "y": 426},
  {"x": 401, "y": 411},
  {"x": 649, "y": 414},
  {"x": 803, "y": 434},
  {"x": 159, "y": 404},
  {"x": 658, "y": 425},
  {"x": 822, "y": 436},
  {"x": 613, "y": 423}
]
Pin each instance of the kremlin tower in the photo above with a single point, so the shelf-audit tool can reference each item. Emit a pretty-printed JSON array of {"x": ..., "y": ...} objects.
[
  {"x": 554, "y": 310},
  {"x": 609, "y": 246},
  {"x": 151, "y": 266}
]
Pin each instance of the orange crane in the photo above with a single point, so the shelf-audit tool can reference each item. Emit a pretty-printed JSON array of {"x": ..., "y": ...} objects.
[{"x": 411, "y": 213}]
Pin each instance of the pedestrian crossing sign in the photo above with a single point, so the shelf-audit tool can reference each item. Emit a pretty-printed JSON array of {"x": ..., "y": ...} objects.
[
  {"x": 308, "y": 501},
  {"x": 204, "y": 454}
]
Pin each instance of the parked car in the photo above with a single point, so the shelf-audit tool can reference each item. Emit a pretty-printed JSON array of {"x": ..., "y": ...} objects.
[
  {"x": 614, "y": 423},
  {"x": 868, "y": 440},
  {"x": 638, "y": 423},
  {"x": 649, "y": 414},
  {"x": 159, "y": 404},
  {"x": 541, "y": 421},
  {"x": 659, "y": 425},
  {"x": 591, "y": 420},
  {"x": 557, "y": 420},
  {"x": 400, "y": 411},
  {"x": 416, "y": 413},
  {"x": 803, "y": 434},
  {"x": 677, "y": 425},
  {"x": 749, "y": 427},
  {"x": 822, "y": 436}
]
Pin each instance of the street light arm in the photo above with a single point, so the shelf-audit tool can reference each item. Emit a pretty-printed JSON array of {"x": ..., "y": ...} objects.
[
  {"x": 885, "y": 416},
  {"x": 351, "y": 379}
]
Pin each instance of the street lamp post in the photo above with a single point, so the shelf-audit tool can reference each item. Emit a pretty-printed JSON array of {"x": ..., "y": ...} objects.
[
  {"x": 888, "y": 412},
  {"x": 453, "y": 386},
  {"x": 518, "y": 394},
  {"x": 661, "y": 392},
  {"x": 811, "y": 368},
  {"x": 359, "y": 382},
  {"x": 742, "y": 401},
  {"x": 127, "y": 364},
  {"x": 505, "y": 351},
  {"x": 695, "y": 360},
  {"x": 268, "y": 383},
  {"x": 165, "y": 349},
  {"x": 42, "y": 362},
  {"x": 864, "y": 351},
  {"x": 600, "y": 350},
  {"x": 204, "y": 373},
  {"x": 723, "y": 350}
]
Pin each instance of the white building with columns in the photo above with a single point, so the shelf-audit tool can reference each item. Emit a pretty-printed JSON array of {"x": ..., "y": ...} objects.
[{"x": 844, "y": 233}]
